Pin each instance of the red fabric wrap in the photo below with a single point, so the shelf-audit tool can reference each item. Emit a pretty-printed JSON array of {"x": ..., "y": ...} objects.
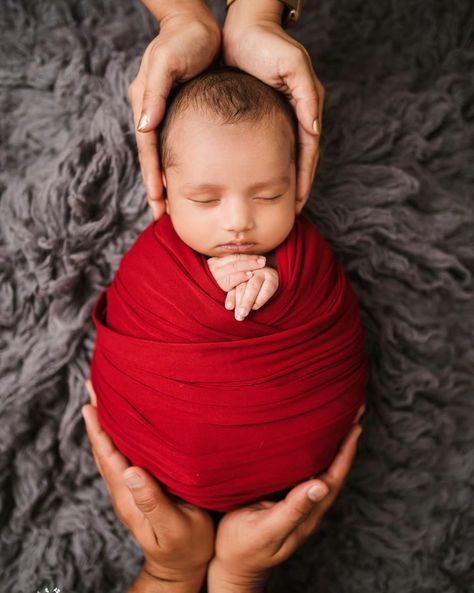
[{"x": 224, "y": 412}]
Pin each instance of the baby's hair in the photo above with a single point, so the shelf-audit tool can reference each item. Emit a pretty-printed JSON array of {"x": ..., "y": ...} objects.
[{"x": 230, "y": 95}]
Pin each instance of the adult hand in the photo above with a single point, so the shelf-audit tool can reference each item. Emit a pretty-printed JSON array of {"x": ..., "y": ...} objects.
[
  {"x": 253, "y": 539},
  {"x": 254, "y": 41},
  {"x": 189, "y": 39},
  {"x": 177, "y": 538}
]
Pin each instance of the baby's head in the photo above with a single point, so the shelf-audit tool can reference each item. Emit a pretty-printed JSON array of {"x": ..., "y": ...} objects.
[{"x": 227, "y": 148}]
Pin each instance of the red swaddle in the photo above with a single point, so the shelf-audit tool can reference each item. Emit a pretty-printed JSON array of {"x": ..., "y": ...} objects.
[{"x": 223, "y": 412}]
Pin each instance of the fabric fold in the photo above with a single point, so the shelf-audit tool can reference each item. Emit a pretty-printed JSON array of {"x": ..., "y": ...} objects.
[{"x": 224, "y": 412}]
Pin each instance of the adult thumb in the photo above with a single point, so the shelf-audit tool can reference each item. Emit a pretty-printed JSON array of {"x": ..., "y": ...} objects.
[
  {"x": 148, "y": 496},
  {"x": 157, "y": 88},
  {"x": 296, "y": 507}
]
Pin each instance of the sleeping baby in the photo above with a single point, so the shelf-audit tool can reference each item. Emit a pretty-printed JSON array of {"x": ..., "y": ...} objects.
[{"x": 226, "y": 407}]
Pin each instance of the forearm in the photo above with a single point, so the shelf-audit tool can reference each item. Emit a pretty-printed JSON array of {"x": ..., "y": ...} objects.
[
  {"x": 146, "y": 583},
  {"x": 162, "y": 9},
  {"x": 220, "y": 580}
]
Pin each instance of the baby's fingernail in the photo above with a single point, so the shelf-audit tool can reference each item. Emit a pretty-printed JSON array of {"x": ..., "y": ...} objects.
[
  {"x": 316, "y": 129},
  {"x": 317, "y": 492},
  {"x": 261, "y": 260},
  {"x": 242, "y": 312},
  {"x": 239, "y": 317},
  {"x": 228, "y": 305},
  {"x": 249, "y": 274}
]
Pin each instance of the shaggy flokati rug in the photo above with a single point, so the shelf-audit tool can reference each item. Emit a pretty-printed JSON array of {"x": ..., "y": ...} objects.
[{"x": 393, "y": 195}]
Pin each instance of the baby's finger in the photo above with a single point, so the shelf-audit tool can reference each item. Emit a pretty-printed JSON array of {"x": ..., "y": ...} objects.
[
  {"x": 230, "y": 300},
  {"x": 267, "y": 290},
  {"x": 248, "y": 298},
  {"x": 239, "y": 261},
  {"x": 229, "y": 281},
  {"x": 239, "y": 293}
]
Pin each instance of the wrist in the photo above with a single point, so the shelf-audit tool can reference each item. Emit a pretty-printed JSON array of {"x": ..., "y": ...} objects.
[
  {"x": 163, "y": 9},
  {"x": 146, "y": 582},
  {"x": 222, "y": 580},
  {"x": 256, "y": 10}
]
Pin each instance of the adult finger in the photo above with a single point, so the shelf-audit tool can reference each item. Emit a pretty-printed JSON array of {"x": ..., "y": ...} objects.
[
  {"x": 149, "y": 108},
  {"x": 302, "y": 84},
  {"x": 147, "y": 144},
  {"x": 91, "y": 392},
  {"x": 157, "y": 86},
  {"x": 287, "y": 514},
  {"x": 112, "y": 462},
  {"x": 308, "y": 152},
  {"x": 307, "y": 97},
  {"x": 334, "y": 478},
  {"x": 360, "y": 413},
  {"x": 308, "y": 157},
  {"x": 339, "y": 468},
  {"x": 150, "y": 499}
]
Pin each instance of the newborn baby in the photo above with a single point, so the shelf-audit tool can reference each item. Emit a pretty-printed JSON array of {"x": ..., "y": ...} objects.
[{"x": 226, "y": 410}]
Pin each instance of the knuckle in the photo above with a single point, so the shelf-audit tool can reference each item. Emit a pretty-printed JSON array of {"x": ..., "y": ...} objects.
[{"x": 146, "y": 502}]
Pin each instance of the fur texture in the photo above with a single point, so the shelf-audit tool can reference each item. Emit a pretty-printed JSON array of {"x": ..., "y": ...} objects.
[{"x": 393, "y": 195}]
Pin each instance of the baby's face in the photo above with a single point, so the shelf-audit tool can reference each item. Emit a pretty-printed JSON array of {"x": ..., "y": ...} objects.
[{"x": 232, "y": 182}]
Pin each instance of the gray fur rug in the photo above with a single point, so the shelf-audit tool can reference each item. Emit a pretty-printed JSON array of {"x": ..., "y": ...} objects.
[{"x": 393, "y": 195}]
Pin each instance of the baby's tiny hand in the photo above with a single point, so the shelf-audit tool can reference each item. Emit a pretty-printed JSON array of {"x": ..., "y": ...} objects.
[
  {"x": 231, "y": 270},
  {"x": 253, "y": 293}
]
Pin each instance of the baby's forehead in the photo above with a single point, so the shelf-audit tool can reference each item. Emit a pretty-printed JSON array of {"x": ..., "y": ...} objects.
[{"x": 271, "y": 123}]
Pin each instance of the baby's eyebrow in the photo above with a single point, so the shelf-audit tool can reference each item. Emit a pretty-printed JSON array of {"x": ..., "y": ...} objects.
[{"x": 190, "y": 187}]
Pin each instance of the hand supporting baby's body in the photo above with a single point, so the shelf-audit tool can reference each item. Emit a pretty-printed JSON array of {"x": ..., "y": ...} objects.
[
  {"x": 247, "y": 543},
  {"x": 249, "y": 280}
]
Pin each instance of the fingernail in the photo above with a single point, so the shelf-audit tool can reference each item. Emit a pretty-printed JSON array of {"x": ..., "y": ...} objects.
[
  {"x": 228, "y": 305},
  {"x": 241, "y": 312},
  {"x": 317, "y": 492},
  {"x": 134, "y": 480},
  {"x": 239, "y": 317},
  {"x": 316, "y": 126},
  {"x": 261, "y": 260},
  {"x": 144, "y": 121},
  {"x": 249, "y": 274}
]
